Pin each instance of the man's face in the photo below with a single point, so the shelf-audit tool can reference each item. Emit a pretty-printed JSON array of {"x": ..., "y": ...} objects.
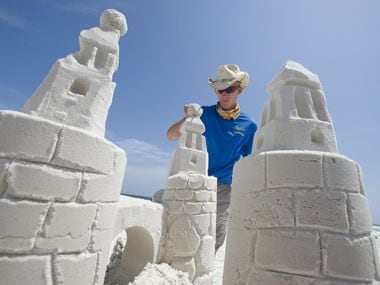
[{"x": 228, "y": 100}]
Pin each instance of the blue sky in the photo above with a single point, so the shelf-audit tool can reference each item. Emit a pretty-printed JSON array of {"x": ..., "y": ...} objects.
[{"x": 173, "y": 46}]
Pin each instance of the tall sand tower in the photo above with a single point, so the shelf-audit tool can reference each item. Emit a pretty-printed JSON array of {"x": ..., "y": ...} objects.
[
  {"x": 60, "y": 179},
  {"x": 299, "y": 213},
  {"x": 190, "y": 205}
]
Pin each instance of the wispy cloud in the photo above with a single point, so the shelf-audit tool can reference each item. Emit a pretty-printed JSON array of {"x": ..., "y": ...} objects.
[
  {"x": 11, "y": 98},
  {"x": 147, "y": 167},
  {"x": 87, "y": 6},
  {"x": 140, "y": 152},
  {"x": 144, "y": 181},
  {"x": 11, "y": 19}
]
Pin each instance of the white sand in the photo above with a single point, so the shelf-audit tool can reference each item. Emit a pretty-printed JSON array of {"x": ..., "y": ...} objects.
[
  {"x": 161, "y": 274},
  {"x": 219, "y": 263}
]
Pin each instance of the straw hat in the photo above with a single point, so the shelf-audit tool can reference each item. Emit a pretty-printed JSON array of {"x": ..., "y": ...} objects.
[{"x": 227, "y": 75}]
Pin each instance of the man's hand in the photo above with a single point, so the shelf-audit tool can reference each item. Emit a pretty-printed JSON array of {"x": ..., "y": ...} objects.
[
  {"x": 173, "y": 132},
  {"x": 186, "y": 111}
]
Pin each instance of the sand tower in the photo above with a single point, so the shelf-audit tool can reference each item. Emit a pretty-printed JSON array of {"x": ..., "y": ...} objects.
[
  {"x": 60, "y": 179},
  {"x": 299, "y": 214},
  {"x": 78, "y": 89},
  {"x": 190, "y": 204}
]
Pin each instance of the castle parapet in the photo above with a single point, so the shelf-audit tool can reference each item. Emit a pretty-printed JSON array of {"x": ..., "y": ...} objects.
[{"x": 295, "y": 116}]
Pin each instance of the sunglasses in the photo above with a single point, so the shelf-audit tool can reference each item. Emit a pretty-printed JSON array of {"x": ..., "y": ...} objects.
[{"x": 228, "y": 90}]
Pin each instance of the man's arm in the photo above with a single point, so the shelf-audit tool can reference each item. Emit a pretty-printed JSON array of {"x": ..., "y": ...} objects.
[{"x": 173, "y": 132}]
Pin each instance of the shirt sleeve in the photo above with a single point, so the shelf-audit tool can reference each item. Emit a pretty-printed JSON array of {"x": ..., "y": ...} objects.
[{"x": 247, "y": 149}]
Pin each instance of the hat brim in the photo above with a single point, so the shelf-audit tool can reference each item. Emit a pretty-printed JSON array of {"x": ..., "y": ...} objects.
[{"x": 221, "y": 84}]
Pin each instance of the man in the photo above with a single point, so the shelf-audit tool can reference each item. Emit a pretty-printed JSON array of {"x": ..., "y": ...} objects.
[{"x": 229, "y": 135}]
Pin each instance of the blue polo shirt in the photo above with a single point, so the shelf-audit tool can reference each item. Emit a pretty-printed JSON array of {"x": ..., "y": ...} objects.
[{"x": 227, "y": 141}]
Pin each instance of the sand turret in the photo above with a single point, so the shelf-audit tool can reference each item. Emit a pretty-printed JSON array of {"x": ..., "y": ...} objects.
[
  {"x": 299, "y": 213},
  {"x": 190, "y": 204},
  {"x": 60, "y": 179},
  {"x": 78, "y": 90}
]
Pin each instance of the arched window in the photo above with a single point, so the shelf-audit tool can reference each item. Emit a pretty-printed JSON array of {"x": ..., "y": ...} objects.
[{"x": 80, "y": 86}]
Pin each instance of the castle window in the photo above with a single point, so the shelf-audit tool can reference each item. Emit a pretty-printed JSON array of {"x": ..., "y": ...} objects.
[
  {"x": 273, "y": 110},
  {"x": 320, "y": 105},
  {"x": 303, "y": 103},
  {"x": 80, "y": 86},
  {"x": 317, "y": 136},
  {"x": 101, "y": 59}
]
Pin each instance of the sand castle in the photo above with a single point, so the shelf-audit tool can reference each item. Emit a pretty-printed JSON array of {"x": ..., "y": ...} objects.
[
  {"x": 302, "y": 217},
  {"x": 60, "y": 180},
  {"x": 299, "y": 214}
]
